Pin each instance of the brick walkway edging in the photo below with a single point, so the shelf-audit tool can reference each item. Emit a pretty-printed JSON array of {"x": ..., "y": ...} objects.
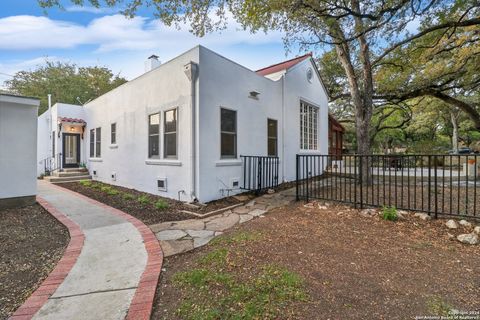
[
  {"x": 40, "y": 296},
  {"x": 142, "y": 302}
]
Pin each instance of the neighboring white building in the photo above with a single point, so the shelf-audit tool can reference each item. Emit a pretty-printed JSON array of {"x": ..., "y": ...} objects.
[
  {"x": 179, "y": 130},
  {"x": 18, "y": 141}
]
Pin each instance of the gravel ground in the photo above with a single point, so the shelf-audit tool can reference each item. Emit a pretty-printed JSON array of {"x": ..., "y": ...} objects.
[
  {"x": 32, "y": 242},
  {"x": 354, "y": 267}
]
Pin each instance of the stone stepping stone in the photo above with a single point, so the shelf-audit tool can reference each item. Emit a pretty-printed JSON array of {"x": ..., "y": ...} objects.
[
  {"x": 171, "y": 235},
  {"x": 241, "y": 210},
  {"x": 257, "y": 212},
  {"x": 245, "y": 218},
  {"x": 160, "y": 226},
  {"x": 222, "y": 223},
  {"x": 198, "y": 242},
  {"x": 192, "y": 224},
  {"x": 200, "y": 233},
  {"x": 173, "y": 247}
]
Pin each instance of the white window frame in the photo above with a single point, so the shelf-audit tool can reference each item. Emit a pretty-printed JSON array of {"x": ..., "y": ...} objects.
[
  {"x": 164, "y": 133},
  {"x": 235, "y": 135},
  {"x": 159, "y": 134},
  {"x": 308, "y": 126}
]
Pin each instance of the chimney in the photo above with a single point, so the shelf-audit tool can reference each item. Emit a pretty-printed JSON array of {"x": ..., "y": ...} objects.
[{"x": 152, "y": 63}]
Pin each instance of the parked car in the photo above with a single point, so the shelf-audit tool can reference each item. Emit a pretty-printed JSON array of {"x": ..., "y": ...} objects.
[{"x": 463, "y": 150}]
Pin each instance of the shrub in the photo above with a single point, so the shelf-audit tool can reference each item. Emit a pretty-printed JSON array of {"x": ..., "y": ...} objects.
[
  {"x": 389, "y": 213},
  {"x": 128, "y": 196},
  {"x": 143, "y": 199},
  {"x": 161, "y": 205},
  {"x": 85, "y": 183}
]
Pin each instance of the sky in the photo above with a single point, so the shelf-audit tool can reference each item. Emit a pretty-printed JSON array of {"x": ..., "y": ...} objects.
[{"x": 89, "y": 36}]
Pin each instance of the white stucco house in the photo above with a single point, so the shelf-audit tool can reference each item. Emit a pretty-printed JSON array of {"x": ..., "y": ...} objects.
[
  {"x": 180, "y": 129},
  {"x": 18, "y": 142}
]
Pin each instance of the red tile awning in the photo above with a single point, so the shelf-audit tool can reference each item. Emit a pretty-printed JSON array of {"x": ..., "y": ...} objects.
[{"x": 71, "y": 120}]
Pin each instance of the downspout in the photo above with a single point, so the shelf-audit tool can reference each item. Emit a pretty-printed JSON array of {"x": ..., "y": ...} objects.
[
  {"x": 283, "y": 128},
  {"x": 191, "y": 70},
  {"x": 50, "y": 132}
]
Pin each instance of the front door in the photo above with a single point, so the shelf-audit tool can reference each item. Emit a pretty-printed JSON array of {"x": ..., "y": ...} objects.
[{"x": 71, "y": 150}]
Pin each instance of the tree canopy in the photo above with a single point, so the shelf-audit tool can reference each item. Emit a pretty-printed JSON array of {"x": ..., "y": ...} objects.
[
  {"x": 66, "y": 82},
  {"x": 380, "y": 59}
]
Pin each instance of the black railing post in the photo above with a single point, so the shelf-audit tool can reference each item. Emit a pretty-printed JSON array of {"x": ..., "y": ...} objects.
[
  {"x": 429, "y": 185},
  {"x": 436, "y": 186},
  {"x": 361, "y": 181},
  {"x": 307, "y": 179},
  {"x": 259, "y": 174},
  {"x": 297, "y": 181}
]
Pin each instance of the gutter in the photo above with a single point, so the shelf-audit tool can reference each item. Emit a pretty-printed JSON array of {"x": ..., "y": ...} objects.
[{"x": 191, "y": 71}]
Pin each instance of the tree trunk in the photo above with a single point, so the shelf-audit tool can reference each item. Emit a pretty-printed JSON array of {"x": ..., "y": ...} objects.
[{"x": 454, "y": 120}]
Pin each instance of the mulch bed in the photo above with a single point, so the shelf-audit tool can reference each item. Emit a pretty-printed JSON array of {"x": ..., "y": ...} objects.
[
  {"x": 354, "y": 267},
  {"x": 32, "y": 242},
  {"x": 147, "y": 212}
]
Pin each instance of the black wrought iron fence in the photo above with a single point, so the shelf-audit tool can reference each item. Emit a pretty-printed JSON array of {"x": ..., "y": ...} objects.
[
  {"x": 436, "y": 184},
  {"x": 259, "y": 172}
]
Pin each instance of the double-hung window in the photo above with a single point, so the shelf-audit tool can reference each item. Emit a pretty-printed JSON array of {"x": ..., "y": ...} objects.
[
  {"x": 113, "y": 133},
  {"x": 154, "y": 135},
  {"x": 98, "y": 142},
  {"x": 272, "y": 137},
  {"x": 228, "y": 133},
  {"x": 92, "y": 143},
  {"x": 308, "y": 126},
  {"x": 170, "y": 134}
]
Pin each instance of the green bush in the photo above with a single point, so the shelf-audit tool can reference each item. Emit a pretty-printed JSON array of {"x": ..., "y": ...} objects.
[
  {"x": 143, "y": 199},
  {"x": 389, "y": 213},
  {"x": 85, "y": 183},
  {"x": 161, "y": 205},
  {"x": 128, "y": 196}
]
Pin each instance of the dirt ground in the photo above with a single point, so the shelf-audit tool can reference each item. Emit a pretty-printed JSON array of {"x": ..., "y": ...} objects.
[
  {"x": 32, "y": 242},
  {"x": 353, "y": 267},
  {"x": 147, "y": 212}
]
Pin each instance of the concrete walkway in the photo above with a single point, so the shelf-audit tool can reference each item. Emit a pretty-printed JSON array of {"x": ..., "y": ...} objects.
[
  {"x": 181, "y": 236},
  {"x": 107, "y": 273}
]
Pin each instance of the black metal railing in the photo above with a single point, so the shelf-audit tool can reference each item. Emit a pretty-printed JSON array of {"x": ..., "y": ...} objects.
[
  {"x": 446, "y": 185},
  {"x": 52, "y": 164},
  {"x": 259, "y": 172}
]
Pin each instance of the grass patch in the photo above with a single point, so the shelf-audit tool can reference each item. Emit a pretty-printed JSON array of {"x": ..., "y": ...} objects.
[
  {"x": 143, "y": 199},
  {"x": 96, "y": 185},
  {"x": 217, "y": 257},
  {"x": 239, "y": 237},
  {"x": 389, "y": 213},
  {"x": 212, "y": 294},
  {"x": 86, "y": 183},
  {"x": 161, "y": 205},
  {"x": 438, "y": 307}
]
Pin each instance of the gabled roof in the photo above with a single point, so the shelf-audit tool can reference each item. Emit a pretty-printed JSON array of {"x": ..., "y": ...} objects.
[{"x": 283, "y": 65}]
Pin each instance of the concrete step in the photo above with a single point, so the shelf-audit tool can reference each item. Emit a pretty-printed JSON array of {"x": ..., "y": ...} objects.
[
  {"x": 75, "y": 170},
  {"x": 69, "y": 173},
  {"x": 54, "y": 179}
]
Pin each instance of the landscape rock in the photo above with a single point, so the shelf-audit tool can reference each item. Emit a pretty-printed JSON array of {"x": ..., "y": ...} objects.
[
  {"x": 160, "y": 226},
  {"x": 422, "y": 216},
  {"x": 468, "y": 238},
  {"x": 477, "y": 230},
  {"x": 309, "y": 205},
  {"x": 250, "y": 204},
  {"x": 465, "y": 223},
  {"x": 451, "y": 224},
  {"x": 322, "y": 207},
  {"x": 270, "y": 191},
  {"x": 368, "y": 213},
  {"x": 171, "y": 234}
]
